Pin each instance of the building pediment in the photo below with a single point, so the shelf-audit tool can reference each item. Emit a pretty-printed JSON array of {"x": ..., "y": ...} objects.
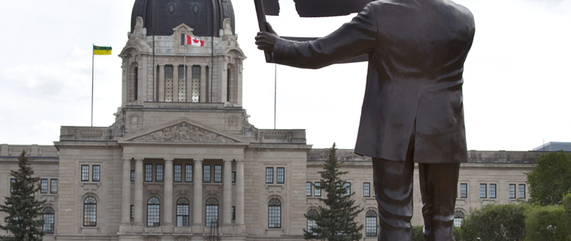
[{"x": 183, "y": 131}]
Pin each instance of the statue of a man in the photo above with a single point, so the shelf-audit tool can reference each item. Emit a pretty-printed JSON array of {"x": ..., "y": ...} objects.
[{"x": 412, "y": 109}]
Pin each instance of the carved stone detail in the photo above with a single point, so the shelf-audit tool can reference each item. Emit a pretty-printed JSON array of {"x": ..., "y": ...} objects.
[
  {"x": 185, "y": 133},
  {"x": 152, "y": 238},
  {"x": 233, "y": 121}
]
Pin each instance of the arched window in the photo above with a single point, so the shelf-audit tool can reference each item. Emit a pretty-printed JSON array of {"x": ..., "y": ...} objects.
[
  {"x": 311, "y": 215},
  {"x": 182, "y": 207},
  {"x": 49, "y": 220},
  {"x": 371, "y": 224},
  {"x": 133, "y": 83},
  {"x": 153, "y": 212},
  {"x": 90, "y": 211},
  {"x": 458, "y": 218},
  {"x": 274, "y": 213},
  {"x": 212, "y": 212}
]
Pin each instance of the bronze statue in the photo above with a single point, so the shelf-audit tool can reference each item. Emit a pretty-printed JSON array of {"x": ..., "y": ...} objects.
[{"x": 412, "y": 109}]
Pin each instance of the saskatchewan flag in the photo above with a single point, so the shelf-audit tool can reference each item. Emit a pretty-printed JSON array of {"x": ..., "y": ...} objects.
[{"x": 101, "y": 50}]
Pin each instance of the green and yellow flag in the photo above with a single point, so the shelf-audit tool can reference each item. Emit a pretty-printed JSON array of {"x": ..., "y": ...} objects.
[{"x": 101, "y": 50}]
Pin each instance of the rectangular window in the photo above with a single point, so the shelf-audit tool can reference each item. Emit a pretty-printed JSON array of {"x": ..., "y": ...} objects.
[
  {"x": 463, "y": 190},
  {"x": 44, "y": 186},
  {"x": 148, "y": 172},
  {"x": 233, "y": 212},
  {"x": 269, "y": 175},
  {"x": 317, "y": 191},
  {"x": 512, "y": 190},
  {"x": 168, "y": 88},
  {"x": 188, "y": 173},
  {"x": 132, "y": 175},
  {"x": 308, "y": 189},
  {"x": 348, "y": 188},
  {"x": 521, "y": 190},
  {"x": 206, "y": 175},
  {"x": 96, "y": 173},
  {"x": 53, "y": 186},
  {"x": 492, "y": 190},
  {"x": 182, "y": 70},
  {"x": 233, "y": 177},
  {"x": 160, "y": 172},
  {"x": 366, "y": 189},
  {"x": 280, "y": 175},
  {"x": 483, "y": 190},
  {"x": 195, "y": 88},
  {"x": 12, "y": 181},
  {"x": 217, "y": 173},
  {"x": 132, "y": 212},
  {"x": 178, "y": 173},
  {"x": 84, "y": 173}
]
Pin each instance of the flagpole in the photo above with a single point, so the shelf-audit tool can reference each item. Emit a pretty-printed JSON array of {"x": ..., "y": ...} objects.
[
  {"x": 185, "y": 83},
  {"x": 92, "y": 67}
]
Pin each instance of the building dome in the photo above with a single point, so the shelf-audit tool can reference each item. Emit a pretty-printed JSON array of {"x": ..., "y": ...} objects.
[{"x": 206, "y": 17}]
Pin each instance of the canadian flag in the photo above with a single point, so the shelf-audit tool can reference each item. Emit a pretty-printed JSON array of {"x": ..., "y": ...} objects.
[{"x": 189, "y": 40}]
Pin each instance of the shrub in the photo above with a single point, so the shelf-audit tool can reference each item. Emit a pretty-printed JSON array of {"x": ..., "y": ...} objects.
[
  {"x": 417, "y": 233},
  {"x": 495, "y": 222},
  {"x": 548, "y": 223}
]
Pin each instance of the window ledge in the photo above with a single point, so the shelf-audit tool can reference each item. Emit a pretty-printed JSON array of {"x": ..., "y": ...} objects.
[
  {"x": 274, "y": 231},
  {"x": 89, "y": 229}
]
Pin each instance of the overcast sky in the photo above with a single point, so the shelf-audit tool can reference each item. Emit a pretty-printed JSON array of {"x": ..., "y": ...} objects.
[{"x": 516, "y": 92}]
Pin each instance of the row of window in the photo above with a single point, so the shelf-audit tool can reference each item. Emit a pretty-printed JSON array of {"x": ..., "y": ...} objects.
[
  {"x": 95, "y": 171},
  {"x": 182, "y": 212},
  {"x": 179, "y": 175},
  {"x": 182, "y": 85},
  {"x": 181, "y": 95},
  {"x": 158, "y": 170},
  {"x": 370, "y": 222},
  {"x": 183, "y": 215},
  {"x": 280, "y": 175},
  {"x": 490, "y": 190},
  {"x": 43, "y": 185},
  {"x": 317, "y": 192}
]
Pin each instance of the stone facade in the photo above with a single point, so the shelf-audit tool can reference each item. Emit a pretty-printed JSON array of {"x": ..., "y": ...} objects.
[{"x": 249, "y": 221}]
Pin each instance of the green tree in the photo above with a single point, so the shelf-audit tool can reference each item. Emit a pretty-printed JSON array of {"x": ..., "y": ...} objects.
[
  {"x": 547, "y": 223},
  {"x": 336, "y": 220},
  {"x": 550, "y": 180},
  {"x": 504, "y": 222},
  {"x": 24, "y": 210}
]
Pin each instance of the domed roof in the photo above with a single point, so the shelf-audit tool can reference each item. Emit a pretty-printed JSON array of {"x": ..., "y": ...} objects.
[{"x": 206, "y": 17}]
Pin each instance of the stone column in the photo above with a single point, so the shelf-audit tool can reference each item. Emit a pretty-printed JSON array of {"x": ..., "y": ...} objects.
[
  {"x": 161, "y": 74},
  {"x": 204, "y": 95},
  {"x": 139, "y": 192},
  {"x": 240, "y": 192},
  {"x": 189, "y": 82},
  {"x": 126, "y": 207},
  {"x": 227, "y": 198},
  {"x": 168, "y": 193},
  {"x": 175, "y": 83},
  {"x": 197, "y": 209}
]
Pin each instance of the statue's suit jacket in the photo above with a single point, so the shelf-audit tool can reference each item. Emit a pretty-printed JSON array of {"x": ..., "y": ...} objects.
[{"x": 416, "y": 50}]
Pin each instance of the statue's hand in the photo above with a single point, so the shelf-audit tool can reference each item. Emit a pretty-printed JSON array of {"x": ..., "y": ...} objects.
[{"x": 267, "y": 40}]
